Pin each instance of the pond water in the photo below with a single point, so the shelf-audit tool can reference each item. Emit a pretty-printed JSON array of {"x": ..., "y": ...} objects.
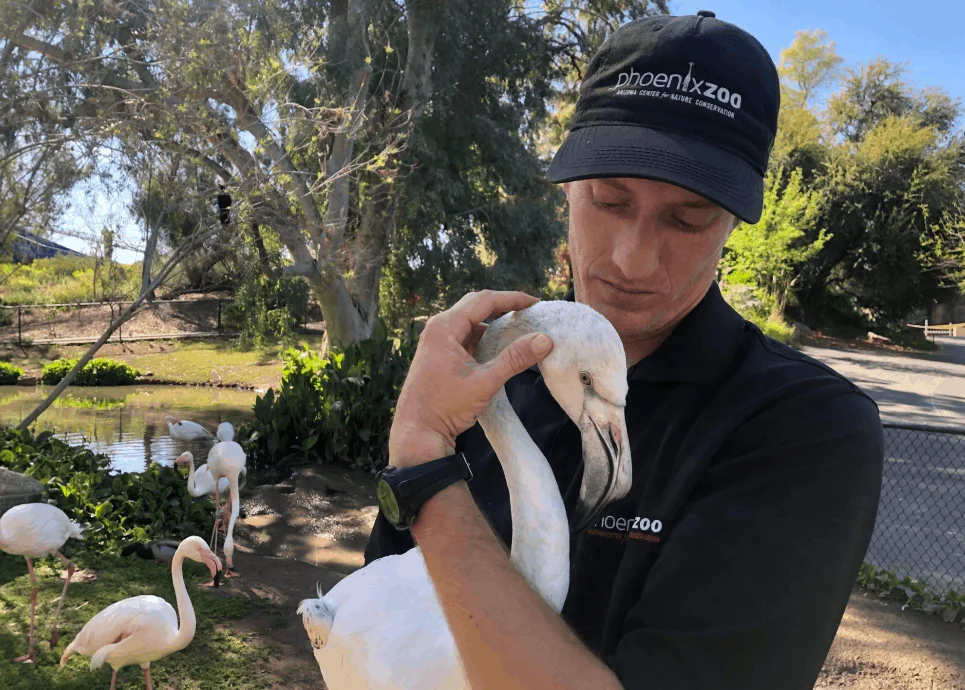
[{"x": 127, "y": 422}]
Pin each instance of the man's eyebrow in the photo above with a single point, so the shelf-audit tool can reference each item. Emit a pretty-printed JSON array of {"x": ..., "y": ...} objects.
[
  {"x": 696, "y": 203},
  {"x": 616, "y": 184}
]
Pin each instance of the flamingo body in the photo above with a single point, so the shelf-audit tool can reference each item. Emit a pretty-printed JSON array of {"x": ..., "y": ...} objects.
[
  {"x": 359, "y": 650},
  {"x": 226, "y": 459},
  {"x": 382, "y": 626},
  {"x": 186, "y": 430},
  {"x": 143, "y": 628},
  {"x": 36, "y": 530}
]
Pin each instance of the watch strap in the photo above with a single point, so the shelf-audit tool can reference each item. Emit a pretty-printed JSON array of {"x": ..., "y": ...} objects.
[{"x": 421, "y": 482}]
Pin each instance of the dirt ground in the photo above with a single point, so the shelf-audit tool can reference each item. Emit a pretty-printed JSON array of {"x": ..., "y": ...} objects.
[
  {"x": 313, "y": 529},
  {"x": 184, "y": 316}
]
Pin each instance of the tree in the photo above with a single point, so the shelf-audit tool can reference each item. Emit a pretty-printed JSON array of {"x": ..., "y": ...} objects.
[
  {"x": 770, "y": 253},
  {"x": 808, "y": 65},
  {"x": 341, "y": 128}
]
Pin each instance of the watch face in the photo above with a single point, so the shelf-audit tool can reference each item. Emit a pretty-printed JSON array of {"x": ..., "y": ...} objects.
[{"x": 390, "y": 507}]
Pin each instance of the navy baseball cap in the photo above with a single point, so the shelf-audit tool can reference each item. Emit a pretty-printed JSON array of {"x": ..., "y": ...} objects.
[{"x": 689, "y": 100}]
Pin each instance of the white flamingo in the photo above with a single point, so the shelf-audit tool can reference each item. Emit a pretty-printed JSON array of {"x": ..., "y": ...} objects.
[
  {"x": 142, "y": 629},
  {"x": 382, "y": 626},
  {"x": 227, "y": 459},
  {"x": 186, "y": 430},
  {"x": 36, "y": 530},
  {"x": 201, "y": 483}
]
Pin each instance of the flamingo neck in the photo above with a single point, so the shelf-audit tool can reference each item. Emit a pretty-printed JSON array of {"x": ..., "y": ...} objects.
[
  {"x": 192, "y": 487},
  {"x": 187, "y": 622},
  {"x": 540, "y": 547}
]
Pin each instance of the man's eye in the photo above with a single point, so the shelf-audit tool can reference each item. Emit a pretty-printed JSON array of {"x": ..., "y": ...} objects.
[
  {"x": 610, "y": 205},
  {"x": 684, "y": 225}
]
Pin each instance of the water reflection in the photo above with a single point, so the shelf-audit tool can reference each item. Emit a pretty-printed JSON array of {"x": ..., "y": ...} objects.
[{"x": 127, "y": 422}]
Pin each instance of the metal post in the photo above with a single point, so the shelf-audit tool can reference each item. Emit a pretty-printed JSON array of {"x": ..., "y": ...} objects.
[{"x": 19, "y": 327}]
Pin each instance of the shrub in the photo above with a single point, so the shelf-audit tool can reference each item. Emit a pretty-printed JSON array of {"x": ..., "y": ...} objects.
[
  {"x": 336, "y": 408},
  {"x": 9, "y": 373},
  {"x": 267, "y": 309},
  {"x": 99, "y": 371},
  {"x": 116, "y": 508}
]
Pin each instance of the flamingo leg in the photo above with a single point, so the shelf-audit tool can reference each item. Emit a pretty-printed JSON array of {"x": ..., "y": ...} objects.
[
  {"x": 28, "y": 658},
  {"x": 147, "y": 677},
  {"x": 63, "y": 595},
  {"x": 217, "y": 513},
  {"x": 114, "y": 679}
]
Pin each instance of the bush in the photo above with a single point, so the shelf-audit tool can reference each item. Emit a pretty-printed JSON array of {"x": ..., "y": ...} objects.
[
  {"x": 116, "y": 508},
  {"x": 100, "y": 371},
  {"x": 9, "y": 373},
  {"x": 68, "y": 279},
  {"x": 336, "y": 408},
  {"x": 267, "y": 309}
]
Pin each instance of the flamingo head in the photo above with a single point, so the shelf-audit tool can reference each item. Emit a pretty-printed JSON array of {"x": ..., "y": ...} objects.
[
  {"x": 226, "y": 431},
  {"x": 586, "y": 373},
  {"x": 196, "y": 549},
  {"x": 186, "y": 458}
]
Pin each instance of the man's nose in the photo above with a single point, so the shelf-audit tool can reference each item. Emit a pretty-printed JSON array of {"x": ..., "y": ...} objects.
[{"x": 636, "y": 252}]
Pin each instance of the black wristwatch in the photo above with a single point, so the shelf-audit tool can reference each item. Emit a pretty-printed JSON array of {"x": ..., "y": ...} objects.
[{"x": 403, "y": 490}]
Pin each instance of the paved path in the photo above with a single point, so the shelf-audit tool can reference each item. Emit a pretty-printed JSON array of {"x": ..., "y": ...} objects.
[
  {"x": 920, "y": 389},
  {"x": 920, "y": 529}
]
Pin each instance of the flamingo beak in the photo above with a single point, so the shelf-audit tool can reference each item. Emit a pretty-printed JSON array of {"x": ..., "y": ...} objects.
[
  {"x": 212, "y": 561},
  {"x": 607, "y": 471}
]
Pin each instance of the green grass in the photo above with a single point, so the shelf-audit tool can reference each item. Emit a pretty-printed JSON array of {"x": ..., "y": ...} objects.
[
  {"x": 195, "y": 362},
  {"x": 217, "y": 657},
  {"x": 201, "y": 362}
]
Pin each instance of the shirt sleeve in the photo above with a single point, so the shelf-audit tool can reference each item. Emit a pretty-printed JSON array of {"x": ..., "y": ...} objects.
[
  {"x": 750, "y": 586},
  {"x": 386, "y": 540}
]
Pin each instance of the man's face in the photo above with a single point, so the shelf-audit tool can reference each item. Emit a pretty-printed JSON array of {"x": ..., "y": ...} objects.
[{"x": 643, "y": 252}]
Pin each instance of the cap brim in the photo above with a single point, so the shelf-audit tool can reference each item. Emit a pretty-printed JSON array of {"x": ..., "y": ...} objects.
[{"x": 615, "y": 150}]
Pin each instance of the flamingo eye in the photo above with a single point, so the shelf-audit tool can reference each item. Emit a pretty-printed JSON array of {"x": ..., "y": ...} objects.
[{"x": 585, "y": 379}]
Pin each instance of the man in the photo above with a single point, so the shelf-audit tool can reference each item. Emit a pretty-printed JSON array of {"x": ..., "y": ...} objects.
[{"x": 756, "y": 470}]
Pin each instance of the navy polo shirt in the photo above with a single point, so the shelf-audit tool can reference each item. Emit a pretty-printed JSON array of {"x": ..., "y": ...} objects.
[{"x": 756, "y": 478}]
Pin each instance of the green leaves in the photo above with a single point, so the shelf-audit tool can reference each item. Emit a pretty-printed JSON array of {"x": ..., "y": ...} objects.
[
  {"x": 912, "y": 592},
  {"x": 336, "y": 408},
  {"x": 99, "y": 371},
  {"x": 770, "y": 253},
  {"x": 116, "y": 507}
]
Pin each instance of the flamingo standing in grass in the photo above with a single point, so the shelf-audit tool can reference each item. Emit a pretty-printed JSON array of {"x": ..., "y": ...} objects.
[
  {"x": 382, "y": 626},
  {"x": 186, "y": 430},
  {"x": 36, "y": 530},
  {"x": 142, "y": 629},
  {"x": 227, "y": 459}
]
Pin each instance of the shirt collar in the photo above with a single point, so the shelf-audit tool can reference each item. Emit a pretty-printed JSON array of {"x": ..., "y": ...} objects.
[{"x": 698, "y": 349}]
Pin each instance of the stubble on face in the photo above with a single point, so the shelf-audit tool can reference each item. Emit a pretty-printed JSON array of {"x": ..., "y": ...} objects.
[{"x": 643, "y": 254}]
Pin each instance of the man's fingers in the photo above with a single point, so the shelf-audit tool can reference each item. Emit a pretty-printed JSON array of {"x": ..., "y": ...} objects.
[
  {"x": 523, "y": 353},
  {"x": 478, "y": 330},
  {"x": 479, "y": 306}
]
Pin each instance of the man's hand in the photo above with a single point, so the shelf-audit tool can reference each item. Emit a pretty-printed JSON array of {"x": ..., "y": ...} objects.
[{"x": 446, "y": 389}]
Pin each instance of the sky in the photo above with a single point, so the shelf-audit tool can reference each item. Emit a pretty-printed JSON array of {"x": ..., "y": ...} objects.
[{"x": 929, "y": 41}]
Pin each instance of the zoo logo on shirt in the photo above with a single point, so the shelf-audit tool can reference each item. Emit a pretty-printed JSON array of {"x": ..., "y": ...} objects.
[{"x": 623, "y": 528}]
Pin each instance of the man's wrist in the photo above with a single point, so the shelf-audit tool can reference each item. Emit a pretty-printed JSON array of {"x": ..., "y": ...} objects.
[
  {"x": 418, "y": 447},
  {"x": 438, "y": 510}
]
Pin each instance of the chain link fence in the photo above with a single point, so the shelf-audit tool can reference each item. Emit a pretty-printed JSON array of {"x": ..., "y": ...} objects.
[{"x": 920, "y": 530}]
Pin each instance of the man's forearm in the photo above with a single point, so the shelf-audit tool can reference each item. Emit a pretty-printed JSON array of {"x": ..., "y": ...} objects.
[{"x": 506, "y": 634}]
